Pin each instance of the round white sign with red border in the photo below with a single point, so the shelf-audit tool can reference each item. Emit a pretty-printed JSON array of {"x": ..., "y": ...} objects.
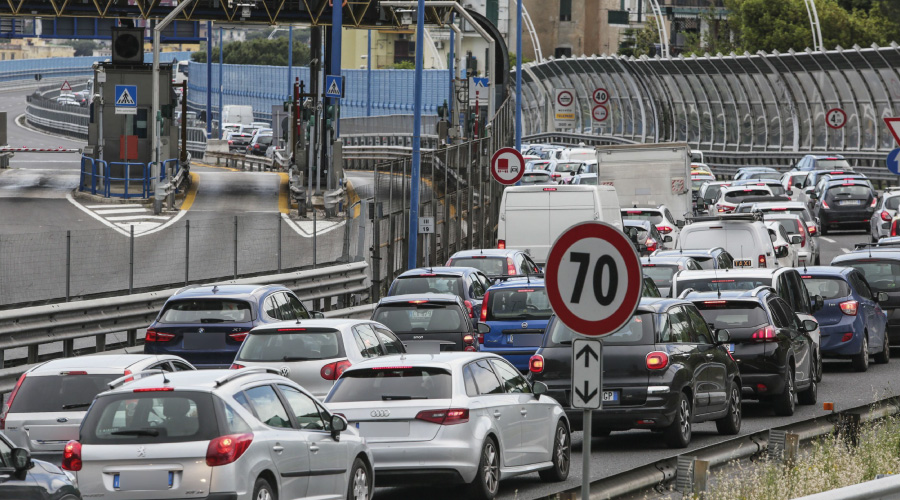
[
  {"x": 565, "y": 98},
  {"x": 593, "y": 278},
  {"x": 836, "y": 118},
  {"x": 600, "y": 113},
  {"x": 507, "y": 166},
  {"x": 601, "y": 96}
]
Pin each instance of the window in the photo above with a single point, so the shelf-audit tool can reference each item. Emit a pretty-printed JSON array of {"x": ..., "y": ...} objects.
[
  {"x": 234, "y": 424},
  {"x": 802, "y": 305},
  {"x": 367, "y": 341},
  {"x": 513, "y": 382},
  {"x": 166, "y": 367},
  {"x": 828, "y": 288},
  {"x": 389, "y": 341},
  {"x": 54, "y": 393},
  {"x": 565, "y": 10},
  {"x": 562, "y": 52},
  {"x": 485, "y": 379},
  {"x": 182, "y": 367},
  {"x": 284, "y": 307},
  {"x": 422, "y": 318},
  {"x": 404, "y": 50},
  {"x": 303, "y": 345},
  {"x": 391, "y": 383},
  {"x": 269, "y": 409},
  {"x": 519, "y": 304},
  {"x": 271, "y": 308},
  {"x": 862, "y": 288},
  {"x": 475, "y": 287},
  {"x": 471, "y": 388},
  {"x": 151, "y": 417},
  {"x": 242, "y": 400},
  {"x": 701, "y": 329},
  {"x": 305, "y": 410},
  {"x": 300, "y": 312},
  {"x": 677, "y": 328},
  {"x": 5, "y": 454},
  {"x": 206, "y": 311}
]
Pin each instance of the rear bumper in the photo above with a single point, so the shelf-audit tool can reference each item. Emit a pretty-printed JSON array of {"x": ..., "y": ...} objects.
[
  {"x": 659, "y": 408},
  {"x": 857, "y": 218},
  {"x": 202, "y": 359},
  {"x": 751, "y": 382},
  {"x": 452, "y": 460},
  {"x": 830, "y": 343}
]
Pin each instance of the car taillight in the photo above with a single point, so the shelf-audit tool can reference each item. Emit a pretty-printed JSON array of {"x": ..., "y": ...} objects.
[
  {"x": 726, "y": 208},
  {"x": 802, "y": 233},
  {"x": 333, "y": 371},
  {"x": 9, "y": 402},
  {"x": 874, "y": 202},
  {"x": 469, "y": 308},
  {"x": 555, "y": 175},
  {"x": 536, "y": 364},
  {"x": 657, "y": 360},
  {"x": 226, "y": 449},
  {"x": 847, "y": 337},
  {"x": 155, "y": 389},
  {"x": 445, "y": 417},
  {"x": 825, "y": 206},
  {"x": 850, "y": 307},
  {"x": 811, "y": 229},
  {"x": 469, "y": 339},
  {"x": 885, "y": 216},
  {"x": 480, "y": 338},
  {"x": 256, "y": 146},
  {"x": 236, "y": 366},
  {"x": 762, "y": 260},
  {"x": 157, "y": 336},
  {"x": 894, "y": 228},
  {"x": 651, "y": 245},
  {"x": 71, "y": 459},
  {"x": 664, "y": 229},
  {"x": 501, "y": 244},
  {"x": 230, "y": 143},
  {"x": 764, "y": 334},
  {"x": 484, "y": 307},
  {"x": 510, "y": 267},
  {"x": 239, "y": 336}
]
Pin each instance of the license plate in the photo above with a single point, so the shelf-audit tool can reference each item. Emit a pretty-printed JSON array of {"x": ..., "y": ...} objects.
[
  {"x": 743, "y": 263},
  {"x": 383, "y": 429},
  {"x": 205, "y": 340},
  {"x": 153, "y": 480},
  {"x": 730, "y": 347},
  {"x": 610, "y": 395},
  {"x": 851, "y": 202}
]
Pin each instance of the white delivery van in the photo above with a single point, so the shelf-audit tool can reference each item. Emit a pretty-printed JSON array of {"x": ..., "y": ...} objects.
[
  {"x": 532, "y": 217},
  {"x": 236, "y": 113}
]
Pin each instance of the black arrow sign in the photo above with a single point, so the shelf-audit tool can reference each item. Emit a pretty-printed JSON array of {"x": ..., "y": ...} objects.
[
  {"x": 587, "y": 351},
  {"x": 586, "y": 396}
]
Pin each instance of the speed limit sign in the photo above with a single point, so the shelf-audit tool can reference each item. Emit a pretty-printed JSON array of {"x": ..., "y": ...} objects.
[{"x": 593, "y": 278}]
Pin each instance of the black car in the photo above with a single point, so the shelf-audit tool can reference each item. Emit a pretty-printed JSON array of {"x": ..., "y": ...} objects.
[
  {"x": 880, "y": 265},
  {"x": 663, "y": 371},
  {"x": 708, "y": 258},
  {"x": 467, "y": 283},
  {"x": 769, "y": 342},
  {"x": 428, "y": 318},
  {"x": 844, "y": 204},
  {"x": 25, "y": 478}
]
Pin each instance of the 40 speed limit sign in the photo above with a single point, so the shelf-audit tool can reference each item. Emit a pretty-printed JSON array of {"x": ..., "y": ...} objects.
[{"x": 593, "y": 278}]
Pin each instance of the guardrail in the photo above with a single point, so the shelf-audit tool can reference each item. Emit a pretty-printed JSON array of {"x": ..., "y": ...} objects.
[{"x": 32, "y": 327}]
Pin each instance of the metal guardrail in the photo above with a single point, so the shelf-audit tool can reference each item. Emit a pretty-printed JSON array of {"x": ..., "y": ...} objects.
[
  {"x": 31, "y": 327},
  {"x": 242, "y": 161}
]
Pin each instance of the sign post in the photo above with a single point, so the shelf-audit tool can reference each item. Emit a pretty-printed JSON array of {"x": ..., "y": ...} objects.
[{"x": 426, "y": 227}]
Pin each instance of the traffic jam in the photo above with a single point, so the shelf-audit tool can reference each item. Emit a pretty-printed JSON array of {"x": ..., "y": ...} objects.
[{"x": 608, "y": 304}]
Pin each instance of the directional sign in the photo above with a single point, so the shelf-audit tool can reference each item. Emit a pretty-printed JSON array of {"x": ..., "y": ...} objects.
[
  {"x": 334, "y": 86},
  {"x": 893, "y": 125},
  {"x": 600, "y": 113},
  {"x": 426, "y": 225},
  {"x": 836, "y": 118},
  {"x": 893, "y": 161},
  {"x": 507, "y": 166},
  {"x": 601, "y": 96},
  {"x": 564, "y": 108},
  {"x": 65, "y": 87},
  {"x": 478, "y": 91},
  {"x": 593, "y": 278},
  {"x": 126, "y": 99},
  {"x": 587, "y": 374}
]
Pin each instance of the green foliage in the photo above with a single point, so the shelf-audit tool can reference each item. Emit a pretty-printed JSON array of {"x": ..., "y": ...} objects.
[
  {"x": 82, "y": 47},
  {"x": 512, "y": 60},
  {"x": 404, "y": 65},
  {"x": 259, "y": 51},
  {"x": 640, "y": 42}
]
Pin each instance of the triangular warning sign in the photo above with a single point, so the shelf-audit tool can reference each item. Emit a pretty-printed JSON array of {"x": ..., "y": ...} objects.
[
  {"x": 65, "y": 86},
  {"x": 125, "y": 99},
  {"x": 333, "y": 89},
  {"x": 893, "y": 125}
]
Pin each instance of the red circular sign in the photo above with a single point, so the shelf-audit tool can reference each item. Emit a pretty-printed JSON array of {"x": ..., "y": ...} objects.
[
  {"x": 601, "y": 96},
  {"x": 564, "y": 98},
  {"x": 600, "y": 113},
  {"x": 593, "y": 278},
  {"x": 507, "y": 166},
  {"x": 836, "y": 118}
]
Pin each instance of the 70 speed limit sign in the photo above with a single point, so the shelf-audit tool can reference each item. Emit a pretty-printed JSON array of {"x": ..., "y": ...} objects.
[{"x": 593, "y": 278}]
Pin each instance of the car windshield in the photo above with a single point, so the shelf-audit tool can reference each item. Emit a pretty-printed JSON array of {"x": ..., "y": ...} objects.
[
  {"x": 892, "y": 203},
  {"x": 732, "y": 314},
  {"x": 661, "y": 274},
  {"x": 831, "y": 164},
  {"x": 638, "y": 331},
  {"x": 828, "y": 288},
  {"x": 737, "y": 196},
  {"x": 722, "y": 283},
  {"x": 567, "y": 167},
  {"x": 421, "y": 317},
  {"x": 206, "y": 311},
  {"x": 535, "y": 177},
  {"x": 155, "y": 416},
  {"x": 654, "y": 216},
  {"x": 764, "y": 175},
  {"x": 291, "y": 344},
  {"x": 525, "y": 303},
  {"x": 492, "y": 266},
  {"x": 56, "y": 393},
  {"x": 848, "y": 190},
  {"x": 391, "y": 384},
  {"x": 882, "y": 275},
  {"x": 428, "y": 284}
]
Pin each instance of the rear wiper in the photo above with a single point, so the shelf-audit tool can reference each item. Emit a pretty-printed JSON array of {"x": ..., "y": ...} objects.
[
  {"x": 75, "y": 405},
  {"x": 294, "y": 358},
  {"x": 386, "y": 397},
  {"x": 137, "y": 432},
  {"x": 213, "y": 320}
]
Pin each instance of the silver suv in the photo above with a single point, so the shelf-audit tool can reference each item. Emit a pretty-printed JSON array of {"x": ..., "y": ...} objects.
[{"x": 216, "y": 435}]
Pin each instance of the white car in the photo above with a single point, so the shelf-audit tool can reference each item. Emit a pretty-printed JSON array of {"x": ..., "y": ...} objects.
[
  {"x": 807, "y": 252},
  {"x": 785, "y": 254},
  {"x": 744, "y": 236},
  {"x": 660, "y": 216},
  {"x": 885, "y": 211},
  {"x": 730, "y": 197},
  {"x": 453, "y": 417},
  {"x": 590, "y": 179}
]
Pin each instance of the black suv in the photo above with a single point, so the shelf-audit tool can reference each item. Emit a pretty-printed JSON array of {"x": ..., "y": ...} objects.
[
  {"x": 769, "y": 342},
  {"x": 430, "y": 317},
  {"x": 844, "y": 203},
  {"x": 881, "y": 267},
  {"x": 663, "y": 370},
  {"x": 467, "y": 283}
]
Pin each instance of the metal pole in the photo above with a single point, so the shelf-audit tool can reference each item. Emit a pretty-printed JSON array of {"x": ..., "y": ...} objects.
[
  {"x": 235, "y": 246},
  {"x": 290, "y": 62},
  {"x": 417, "y": 140},
  {"x": 586, "y": 455},
  {"x": 451, "y": 65},
  {"x": 518, "y": 78},
  {"x": 209, "y": 41},
  {"x": 68, "y": 263},
  {"x": 369, "y": 77},
  {"x": 279, "y": 243},
  {"x": 131, "y": 261},
  {"x": 221, "y": 83},
  {"x": 337, "y": 23},
  {"x": 187, "y": 250},
  {"x": 315, "y": 241}
]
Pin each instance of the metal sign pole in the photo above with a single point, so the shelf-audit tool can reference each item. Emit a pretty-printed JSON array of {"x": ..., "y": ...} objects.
[{"x": 586, "y": 454}]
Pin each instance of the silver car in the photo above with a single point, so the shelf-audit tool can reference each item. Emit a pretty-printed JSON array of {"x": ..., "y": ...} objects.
[
  {"x": 885, "y": 211},
  {"x": 49, "y": 400},
  {"x": 217, "y": 435},
  {"x": 453, "y": 417},
  {"x": 315, "y": 352}
]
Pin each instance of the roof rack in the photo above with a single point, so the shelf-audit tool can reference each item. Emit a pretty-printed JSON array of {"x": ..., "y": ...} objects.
[
  {"x": 133, "y": 376},
  {"x": 863, "y": 246},
  {"x": 245, "y": 371}
]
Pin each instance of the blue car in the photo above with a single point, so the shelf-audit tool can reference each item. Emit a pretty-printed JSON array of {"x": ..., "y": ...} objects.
[
  {"x": 205, "y": 325},
  {"x": 516, "y": 313},
  {"x": 851, "y": 322}
]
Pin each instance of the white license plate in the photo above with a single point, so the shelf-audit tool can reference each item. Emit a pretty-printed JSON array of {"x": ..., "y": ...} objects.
[
  {"x": 851, "y": 202},
  {"x": 144, "y": 480},
  {"x": 610, "y": 395},
  {"x": 383, "y": 429},
  {"x": 743, "y": 263}
]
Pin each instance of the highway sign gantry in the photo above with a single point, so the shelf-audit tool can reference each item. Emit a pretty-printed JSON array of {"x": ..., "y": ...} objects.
[
  {"x": 507, "y": 166},
  {"x": 587, "y": 374}
]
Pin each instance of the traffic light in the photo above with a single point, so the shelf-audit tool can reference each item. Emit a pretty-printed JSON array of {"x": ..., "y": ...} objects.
[
  {"x": 128, "y": 45},
  {"x": 329, "y": 117}
]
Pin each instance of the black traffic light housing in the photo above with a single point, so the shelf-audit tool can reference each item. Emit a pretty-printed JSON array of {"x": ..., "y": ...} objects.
[{"x": 128, "y": 45}]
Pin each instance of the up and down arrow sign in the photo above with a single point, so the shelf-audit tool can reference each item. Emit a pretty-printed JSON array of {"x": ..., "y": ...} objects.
[{"x": 587, "y": 373}]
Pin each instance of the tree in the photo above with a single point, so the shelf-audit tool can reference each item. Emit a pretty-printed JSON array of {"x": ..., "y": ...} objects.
[
  {"x": 259, "y": 51},
  {"x": 82, "y": 47},
  {"x": 512, "y": 60}
]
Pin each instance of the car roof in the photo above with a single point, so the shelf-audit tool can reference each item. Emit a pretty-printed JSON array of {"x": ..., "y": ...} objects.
[
  {"x": 688, "y": 252},
  {"x": 230, "y": 291},
  {"x": 728, "y": 189},
  {"x": 827, "y": 157},
  {"x": 487, "y": 252},
  {"x": 335, "y": 323},
  {"x": 104, "y": 362},
  {"x": 431, "y": 297},
  {"x": 826, "y": 270},
  {"x": 203, "y": 380},
  {"x": 876, "y": 253},
  {"x": 725, "y": 273},
  {"x": 447, "y": 271},
  {"x": 675, "y": 259},
  {"x": 777, "y": 204},
  {"x": 519, "y": 282},
  {"x": 658, "y": 304},
  {"x": 446, "y": 359}
]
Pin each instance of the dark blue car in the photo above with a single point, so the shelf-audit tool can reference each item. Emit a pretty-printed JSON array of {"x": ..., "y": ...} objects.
[
  {"x": 206, "y": 324},
  {"x": 516, "y": 313},
  {"x": 25, "y": 478},
  {"x": 851, "y": 322}
]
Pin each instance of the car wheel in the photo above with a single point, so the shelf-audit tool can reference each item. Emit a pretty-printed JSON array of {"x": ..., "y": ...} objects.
[
  {"x": 262, "y": 490},
  {"x": 360, "y": 487},
  {"x": 823, "y": 230},
  {"x": 562, "y": 456},
  {"x": 487, "y": 479},
  {"x": 809, "y": 395},
  {"x": 884, "y": 357},
  {"x": 860, "y": 361},
  {"x": 678, "y": 434},
  {"x": 731, "y": 423},
  {"x": 784, "y": 403}
]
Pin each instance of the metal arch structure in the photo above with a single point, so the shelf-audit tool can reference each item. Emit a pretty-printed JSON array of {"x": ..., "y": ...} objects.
[
  {"x": 814, "y": 26},
  {"x": 535, "y": 41},
  {"x": 661, "y": 27}
]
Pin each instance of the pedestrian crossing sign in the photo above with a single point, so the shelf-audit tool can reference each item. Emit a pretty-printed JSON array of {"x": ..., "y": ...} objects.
[
  {"x": 334, "y": 86},
  {"x": 126, "y": 99}
]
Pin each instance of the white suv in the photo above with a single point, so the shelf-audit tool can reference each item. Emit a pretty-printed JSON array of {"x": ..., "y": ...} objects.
[
  {"x": 885, "y": 211},
  {"x": 731, "y": 196},
  {"x": 659, "y": 216},
  {"x": 744, "y": 236}
]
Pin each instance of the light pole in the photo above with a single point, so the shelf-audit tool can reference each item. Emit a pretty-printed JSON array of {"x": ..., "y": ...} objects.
[
  {"x": 413, "y": 236},
  {"x": 519, "y": 76}
]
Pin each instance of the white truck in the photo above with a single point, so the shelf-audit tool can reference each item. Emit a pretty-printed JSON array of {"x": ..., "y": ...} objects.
[{"x": 237, "y": 114}]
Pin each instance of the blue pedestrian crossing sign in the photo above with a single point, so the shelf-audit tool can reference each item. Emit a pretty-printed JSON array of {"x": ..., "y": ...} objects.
[
  {"x": 893, "y": 161},
  {"x": 334, "y": 86},
  {"x": 126, "y": 99}
]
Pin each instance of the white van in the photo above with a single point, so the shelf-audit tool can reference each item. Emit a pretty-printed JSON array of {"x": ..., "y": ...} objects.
[
  {"x": 532, "y": 217},
  {"x": 237, "y": 113},
  {"x": 744, "y": 236}
]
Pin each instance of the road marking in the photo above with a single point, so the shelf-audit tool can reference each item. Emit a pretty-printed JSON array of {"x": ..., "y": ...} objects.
[
  {"x": 283, "y": 191},
  {"x": 305, "y": 227},
  {"x": 94, "y": 215},
  {"x": 122, "y": 211},
  {"x": 192, "y": 192},
  {"x": 136, "y": 217},
  {"x": 845, "y": 250},
  {"x": 829, "y": 240}
]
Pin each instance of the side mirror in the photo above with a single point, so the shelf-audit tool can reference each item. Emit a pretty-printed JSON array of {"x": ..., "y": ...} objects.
[
  {"x": 790, "y": 192},
  {"x": 338, "y": 425},
  {"x": 21, "y": 459},
  {"x": 539, "y": 388},
  {"x": 317, "y": 314},
  {"x": 483, "y": 328},
  {"x": 722, "y": 335},
  {"x": 809, "y": 325},
  {"x": 881, "y": 297},
  {"x": 781, "y": 252},
  {"x": 667, "y": 239},
  {"x": 679, "y": 224},
  {"x": 818, "y": 303},
  {"x": 796, "y": 239}
]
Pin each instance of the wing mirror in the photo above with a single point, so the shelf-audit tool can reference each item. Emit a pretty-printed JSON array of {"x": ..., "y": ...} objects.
[
  {"x": 722, "y": 336},
  {"x": 21, "y": 459},
  {"x": 881, "y": 297},
  {"x": 796, "y": 239},
  {"x": 790, "y": 192},
  {"x": 539, "y": 388},
  {"x": 667, "y": 239},
  {"x": 338, "y": 425},
  {"x": 483, "y": 328},
  {"x": 809, "y": 325},
  {"x": 818, "y": 302}
]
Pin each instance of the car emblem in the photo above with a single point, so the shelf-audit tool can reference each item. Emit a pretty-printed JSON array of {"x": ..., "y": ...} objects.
[
  {"x": 524, "y": 325},
  {"x": 201, "y": 330},
  {"x": 380, "y": 413},
  {"x": 285, "y": 371},
  {"x": 62, "y": 420},
  {"x": 142, "y": 452}
]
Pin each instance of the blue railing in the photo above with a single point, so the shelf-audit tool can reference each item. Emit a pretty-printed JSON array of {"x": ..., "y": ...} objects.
[
  {"x": 25, "y": 69},
  {"x": 124, "y": 184}
]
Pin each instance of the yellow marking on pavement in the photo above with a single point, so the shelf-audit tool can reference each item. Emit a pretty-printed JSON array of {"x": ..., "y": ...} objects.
[
  {"x": 283, "y": 198},
  {"x": 220, "y": 167},
  {"x": 192, "y": 192},
  {"x": 353, "y": 198}
]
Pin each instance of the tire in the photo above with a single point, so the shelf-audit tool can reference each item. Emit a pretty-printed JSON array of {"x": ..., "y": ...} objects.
[
  {"x": 262, "y": 490},
  {"x": 810, "y": 395},
  {"x": 678, "y": 434},
  {"x": 818, "y": 261},
  {"x": 487, "y": 480},
  {"x": 820, "y": 367},
  {"x": 730, "y": 424},
  {"x": 561, "y": 457},
  {"x": 884, "y": 357},
  {"x": 783, "y": 404},
  {"x": 823, "y": 230},
  {"x": 860, "y": 361},
  {"x": 360, "y": 487}
]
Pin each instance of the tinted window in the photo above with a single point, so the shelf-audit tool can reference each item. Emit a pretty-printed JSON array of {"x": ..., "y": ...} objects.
[
  {"x": 369, "y": 340},
  {"x": 736, "y": 196},
  {"x": 421, "y": 318},
  {"x": 304, "y": 409},
  {"x": 638, "y": 331},
  {"x": 485, "y": 378},
  {"x": 701, "y": 329},
  {"x": 492, "y": 266},
  {"x": 882, "y": 275},
  {"x": 800, "y": 292},
  {"x": 828, "y": 288},
  {"x": 660, "y": 274},
  {"x": 728, "y": 314},
  {"x": 513, "y": 382},
  {"x": 150, "y": 417},
  {"x": 310, "y": 344},
  {"x": 429, "y": 284},
  {"x": 271, "y": 308},
  {"x": 56, "y": 393},
  {"x": 519, "y": 304},
  {"x": 676, "y": 327},
  {"x": 649, "y": 288},
  {"x": 269, "y": 409},
  {"x": 471, "y": 388},
  {"x": 5, "y": 454},
  {"x": 206, "y": 311},
  {"x": 391, "y": 343},
  {"x": 391, "y": 384},
  {"x": 299, "y": 311},
  {"x": 860, "y": 285},
  {"x": 654, "y": 216},
  {"x": 476, "y": 289},
  {"x": 848, "y": 191},
  {"x": 781, "y": 308}
]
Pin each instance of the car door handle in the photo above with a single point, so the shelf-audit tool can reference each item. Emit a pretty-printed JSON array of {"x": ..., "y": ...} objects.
[
  {"x": 523, "y": 412},
  {"x": 313, "y": 448},
  {"x": 277, "y": 448},
  {"x": 497, "y": 414}
]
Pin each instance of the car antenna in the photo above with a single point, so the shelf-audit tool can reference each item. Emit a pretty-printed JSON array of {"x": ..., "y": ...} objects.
[{"x": 718, "y": 286}]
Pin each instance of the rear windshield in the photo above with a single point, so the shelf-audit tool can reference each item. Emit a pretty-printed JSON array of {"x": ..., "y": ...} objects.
[
  {"x": 566, "y": 167},
  {"x": 882, "y": 275},
  {"x": 206, "y": 311},
  {"x": 728, "y": 314},
  {"x": 737, "y": 240},
  {"x": 855, "y": 191},
  {"x": 831, "y": 164},
  {"x": 736, "y": 196},
  {"x": 660, "y": 274},
  {"x": 697, "y": 182},
  {"x": 492, "y": 266},
  {"x": 150, "y": 417},
  {"x": 264, "y": 139},
  {"x": 534, "y": 178},
  {"x": 421, "y": 318},
  {"x": 892, "y": 203},
  {"x": 712, "y": 192},
  {"x": 651, "y": 215},
  {"x": 638, "y": 331},
  {"x": 509, "y": 304},
  {"x": 56, "y": 393},
  {"x": 391, "y": 384},
  {"x": 789, "y": 225},
  {"x": 637, "y": 233},
  {"x": 304, "y": 344},
  {"x": 722, "y": 284},
  {"x": 428, "y": 284},
  {"x": 804, "y": 215},
  {"x": 828, "y": 288},
  {"x": 765, "y": 175}
]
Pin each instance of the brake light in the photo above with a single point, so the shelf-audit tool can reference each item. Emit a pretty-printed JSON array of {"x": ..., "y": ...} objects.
[
  {"x": 418, "y": 301},
  {"x": 157, "y": 336},
  {"x": 129, "y": 379},
  {"x": 236, "y": 366},
  {"x": 722, "y": 281},
  {"x": 239, "y": 336},
  {"x": 549, "y": 189},
  {"x": 469, "y": 339},
  {"x": 392, "y": 368},
  {"x": 484, "y": 307},
  {"x": 811, "y": 229},
  {"x": 469, "y": 308},
  {"x": 651, "y": 245},
  {"x": 536, "y": 364},
  {"x": 657, "y": 360},
  {"x": 256, "y": 146},
  {"x": 762, "y": 260},
  {"x": 510, "y": 267},
  {"x": 847, "y": 337},
  {"x": 885, "y": 216},
  {"x": 155, "y": 389},
  {"x": 72, "y": 456},
  {"x": 664, "y": 229},
  {"x": 714, "y": 302},
  {"x": 452, "y": 416},
  {"x": 501, "y": 244},
  {"x": 874, "y": 202},
  {"x": 634, "y": 212},
  {"x": 9, "y": 402},
  {"x": 777, "y": 209},
  {"x": 825, "y": 206},
  {"x": 226, "y": 449},
  {"x": 764, "y": 334},
  {"x": 73, "y": 373},
  {"x": 802, "y": 233},
  {"x": 850, "y": 307},
  {"x": 726, "y": 208},
  {"x": 291, "y": 329},
  {"x": 480, "y": 338},
  {"x": 555, "y": 175},
  {"x": 894, "y": 229},
  {"x": 333, "y": 371}
]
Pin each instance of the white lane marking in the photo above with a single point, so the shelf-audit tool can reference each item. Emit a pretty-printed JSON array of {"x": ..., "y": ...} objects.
[
  {"x": 139, "y": 226},
  {"x": 136, "y": 210},
  {"x": 111, "y": 206},
  {"x": 92, "y": 214},
  {"x": 173, "y": 220},
  {"x": 829, "y": 240},
  {"x": 304, "y": 228},
  {"x": 845, "y": 250},
  {"x": 138, "y": 217}
]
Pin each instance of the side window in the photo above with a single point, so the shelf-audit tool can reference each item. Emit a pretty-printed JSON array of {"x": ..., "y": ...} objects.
[
  {"x": 862, "y": 288},
  {"x": 471, "y": 388},
  {"x": 271, "y": 307},
  {"x": 701, "y": 329},
  {"x": 477, "y": 286},
  {"x": 729, "y": 260},
  {"x": 268, "y": 407},
  {"x": 166, "y": 367},
  {"x": 513, "y": 382},
  {"x": 371, "y": 348},
  {"x": 182, "y": 367},
  {"x": 304, "y": 409},
  {"x": 522, "y": 265},
  {"x": 801, "y": 294},
  {"x": 669, "y": 216},
  {"x": 300, "y": 312},
  {"x": 389, "y": 341},
  {"x": 783, "y": 288},
  {"x": 778, "y": 317},
  {"x": 5, "y": 454},
  {"x": 485, "y": 282},
  {"x": 679, "y": 326},
  {"x": 242, "y": 400},
  {"x": 535, "y": 268},
  {"x": 234, "y": 424},
  {"x": 287, "y": 313},
  {"x": 485, "y": 379}
]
